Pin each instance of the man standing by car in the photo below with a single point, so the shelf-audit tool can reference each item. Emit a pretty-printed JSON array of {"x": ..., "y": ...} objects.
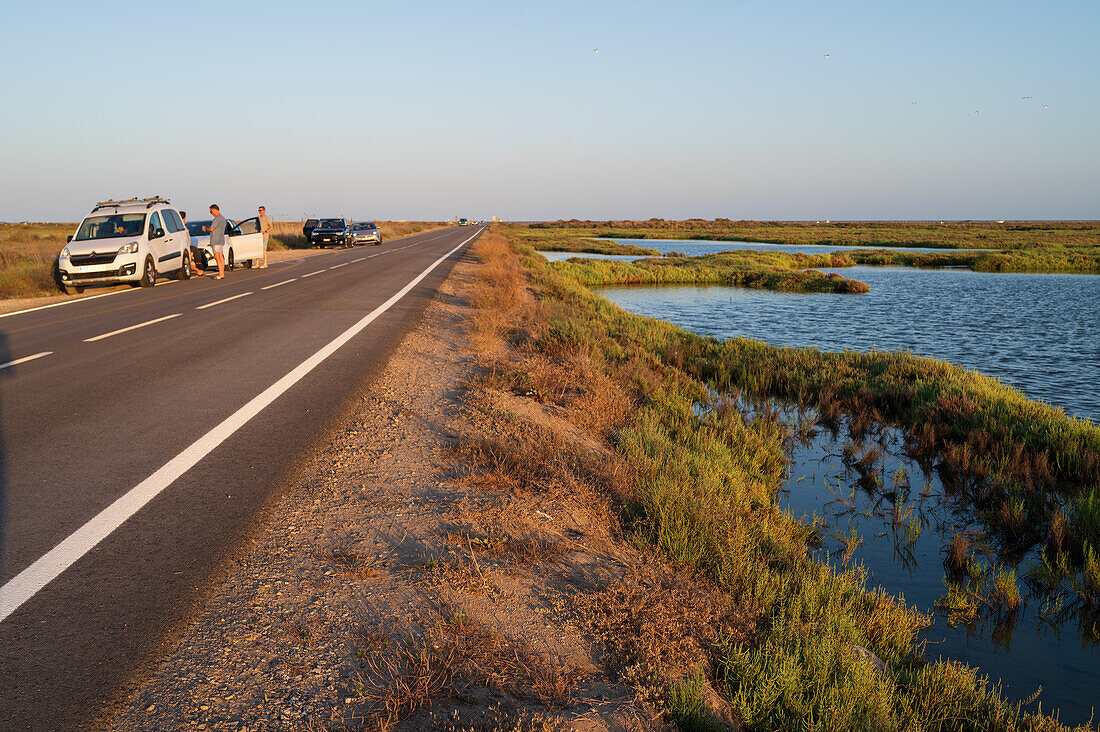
[
  {"x": 265, "y": 228},
  {"x": 217, "y": 238}
]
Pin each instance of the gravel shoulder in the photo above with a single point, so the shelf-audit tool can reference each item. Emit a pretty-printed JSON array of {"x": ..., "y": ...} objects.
[{"x": 395, "y": 588}]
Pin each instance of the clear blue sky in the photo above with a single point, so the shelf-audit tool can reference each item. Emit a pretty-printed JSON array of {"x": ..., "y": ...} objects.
[{"x": 437, "y": 109}]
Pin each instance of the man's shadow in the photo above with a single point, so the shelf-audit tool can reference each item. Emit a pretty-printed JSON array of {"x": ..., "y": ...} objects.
[{"x": 5, "y": 373}]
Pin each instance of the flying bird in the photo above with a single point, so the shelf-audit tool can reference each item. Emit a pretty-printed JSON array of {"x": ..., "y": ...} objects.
[
  {"x": 977, "y": 111},
  {"x": 1044, "y": 106},
  {"x": 1025, "y": 98},
  {"x": 826, "y": 55},
  {"x": 595, "y": 50}
]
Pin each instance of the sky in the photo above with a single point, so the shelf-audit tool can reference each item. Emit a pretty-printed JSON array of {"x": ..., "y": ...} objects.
[{"x": 425, "y": 109}]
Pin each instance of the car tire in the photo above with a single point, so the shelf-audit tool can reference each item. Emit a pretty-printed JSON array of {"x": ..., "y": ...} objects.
[
  {"x": 72, "y": 289},
  {"x": 230, "y": 265},
  {"x": 184, "y": 272},
  {"x": 249, "y": 263},
  {"x": 148, "y": 273}
]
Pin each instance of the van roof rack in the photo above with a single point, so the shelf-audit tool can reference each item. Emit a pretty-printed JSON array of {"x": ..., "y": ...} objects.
[{"x": 149, "y": 202}]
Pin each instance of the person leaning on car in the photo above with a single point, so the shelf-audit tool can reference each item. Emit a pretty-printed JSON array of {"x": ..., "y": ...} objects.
[
  {"x": 196, "y": 254},
  {"x": 265, "y": 228},
  {"x": 217, "y": 238}
]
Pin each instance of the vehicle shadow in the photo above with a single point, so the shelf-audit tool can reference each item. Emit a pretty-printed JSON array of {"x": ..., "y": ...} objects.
[{"x": 5, "y": 373}]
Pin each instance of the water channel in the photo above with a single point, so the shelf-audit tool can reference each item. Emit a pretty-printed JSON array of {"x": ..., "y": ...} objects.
[{"x": 1037, "y": 333}]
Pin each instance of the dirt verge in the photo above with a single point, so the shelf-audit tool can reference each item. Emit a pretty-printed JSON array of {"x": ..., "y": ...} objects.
[{"x": 402, "y": 584}]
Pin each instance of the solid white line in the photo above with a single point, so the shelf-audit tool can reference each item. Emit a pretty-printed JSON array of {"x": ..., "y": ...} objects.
[
  {"x": 27, "y": 583},
  {"x": 18, "y": 361},
  {"x": 132, "y": 327},
  {"x": 313, "y": 273},
  {"x": 279, "y": 283},
  {"x": 338, "y": 266},
  {"x": 219, "y": 302},
  {"x": 357, "y": 260}
]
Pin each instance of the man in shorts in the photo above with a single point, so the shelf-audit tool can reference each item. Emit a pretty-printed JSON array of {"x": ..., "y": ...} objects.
[
  {"x": 217, "y": 238},
  {"x": 265, "y": 227}
]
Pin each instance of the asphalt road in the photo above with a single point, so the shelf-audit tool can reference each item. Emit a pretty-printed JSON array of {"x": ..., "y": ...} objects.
[{"x": 141, "y": 434}]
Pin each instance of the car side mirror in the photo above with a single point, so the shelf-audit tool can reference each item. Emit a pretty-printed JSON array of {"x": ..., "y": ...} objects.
[
  {"x": 68, "y": 238},
  {"x": 158, "y": 233}
]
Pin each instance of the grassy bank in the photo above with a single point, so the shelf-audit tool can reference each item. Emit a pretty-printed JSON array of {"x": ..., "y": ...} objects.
[
  {"x": 759, "y": 270},
  {"x": 700, "y": 488},
  {"x": 1071, "y": 247},
  {"x": 949, "y": 235},
  {"x": 27, "y": 256}
]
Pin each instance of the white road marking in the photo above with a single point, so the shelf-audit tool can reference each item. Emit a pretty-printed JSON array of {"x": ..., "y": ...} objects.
[
  {"x": 338, "y": 266},
  {"x": 79, "y": 299},
  {"x": 132, "y": 327},
  {"x": 18, "y": 361},
  {"x": 313, "y": 273},
  {"x": 357, "y": 260},
  {"x": 219, "y": 302},
  {"x": 46, "y": 568},
  {"x": 279, "y": 283}
]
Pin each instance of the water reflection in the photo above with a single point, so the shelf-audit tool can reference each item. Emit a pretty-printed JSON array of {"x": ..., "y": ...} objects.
[{"x": 882, "y": 502}]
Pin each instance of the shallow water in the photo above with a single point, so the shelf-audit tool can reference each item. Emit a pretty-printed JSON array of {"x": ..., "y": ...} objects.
[
  {"x": 1023, "y": 653},
  {"x": 1038, "y": 333}
]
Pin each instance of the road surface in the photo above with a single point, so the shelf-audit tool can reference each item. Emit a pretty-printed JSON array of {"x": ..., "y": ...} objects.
[{"x": 142, "y": 431}]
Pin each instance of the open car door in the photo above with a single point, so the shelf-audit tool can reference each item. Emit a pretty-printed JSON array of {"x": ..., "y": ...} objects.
[{"x": 247, "y": 241}]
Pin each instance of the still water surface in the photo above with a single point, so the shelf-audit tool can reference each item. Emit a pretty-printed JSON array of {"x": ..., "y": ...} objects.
[{"x": 1038, "y": 333}]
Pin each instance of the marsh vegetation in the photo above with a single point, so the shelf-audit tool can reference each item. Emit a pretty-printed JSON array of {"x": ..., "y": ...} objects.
[{"x": 702, "y": 486}]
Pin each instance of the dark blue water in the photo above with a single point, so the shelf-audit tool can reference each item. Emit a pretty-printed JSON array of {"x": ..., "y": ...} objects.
[{"x": 1037, "y": 333}]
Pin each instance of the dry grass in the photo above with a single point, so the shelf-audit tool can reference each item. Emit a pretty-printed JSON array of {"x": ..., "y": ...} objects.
[
  {"x": 28, "y": 255},
  {"x": 661, "y": 630},
  {"x": 453, "y": 654}
]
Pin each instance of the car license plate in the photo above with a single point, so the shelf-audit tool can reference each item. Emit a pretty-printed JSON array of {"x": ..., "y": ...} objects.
[{"x": 93, "y": 268}]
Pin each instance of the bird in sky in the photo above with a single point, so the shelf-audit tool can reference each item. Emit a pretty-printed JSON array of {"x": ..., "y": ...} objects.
[
  {"x": 977, "y": 111},
  {"x": 595, "y": 50},
  {"x": 826, "y": 55},
  {"x": 1044, "y": 106},
  {"x": 1025, "y": 98}
]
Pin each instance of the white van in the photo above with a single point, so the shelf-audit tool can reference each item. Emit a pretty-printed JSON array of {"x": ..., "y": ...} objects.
[
  {"x": 135, "y": 240},
  {"x": 243, "y": 242}
]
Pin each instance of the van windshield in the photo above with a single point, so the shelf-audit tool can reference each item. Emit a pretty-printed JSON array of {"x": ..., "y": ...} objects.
[{"x": 111, "y": 226}]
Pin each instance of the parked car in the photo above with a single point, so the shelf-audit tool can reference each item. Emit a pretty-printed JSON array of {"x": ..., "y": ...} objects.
[
  {"x": 328, "y": 231},
  {"x": 362, "y": 232},
  {"x": 135, "y": 240},
  {"x": 243, "y": 242},
  {"x": 308, "y": 227},
  {"x": 463, "y": 222}
]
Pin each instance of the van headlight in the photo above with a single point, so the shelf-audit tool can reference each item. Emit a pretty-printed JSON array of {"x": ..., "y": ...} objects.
[
  {"x": 128, "y": 248},
  {"x": 64, "y": 253}
]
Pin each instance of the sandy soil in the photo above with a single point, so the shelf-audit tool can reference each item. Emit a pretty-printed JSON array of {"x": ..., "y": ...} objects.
[{"x": 389, "y": 590}]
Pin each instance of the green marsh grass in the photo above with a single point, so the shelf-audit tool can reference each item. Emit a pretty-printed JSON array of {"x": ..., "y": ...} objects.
[{"x": 703, "y": 492}]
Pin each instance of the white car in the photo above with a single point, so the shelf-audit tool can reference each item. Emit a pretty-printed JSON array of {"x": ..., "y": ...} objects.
[
  {"x": 134, "y": 240},
  {"x": 243, "y": 242}
]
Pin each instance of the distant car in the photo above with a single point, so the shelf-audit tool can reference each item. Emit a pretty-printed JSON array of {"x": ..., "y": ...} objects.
[
  {"x": 134, "y": 240},
  {"x": 463, "y": 222},
  {"x": 308, "y": 227},
  {"x": 362, "y": 232},
  {"x": 328, "y": 231},
  {"x": 243, "y": 242}
]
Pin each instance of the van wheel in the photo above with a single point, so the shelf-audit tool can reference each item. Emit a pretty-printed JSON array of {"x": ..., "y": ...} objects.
[
  {"x": 229, "y": 265},
  {"x": 249, "y": 263},
  {"x": 73, "y": 289},
  {"x": 149, "y": 274},
  {"x": 185, "y": 270}
]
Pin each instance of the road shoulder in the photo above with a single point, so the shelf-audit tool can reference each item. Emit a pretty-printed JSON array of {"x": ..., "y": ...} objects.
[{"x": 396, "y": 585}]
